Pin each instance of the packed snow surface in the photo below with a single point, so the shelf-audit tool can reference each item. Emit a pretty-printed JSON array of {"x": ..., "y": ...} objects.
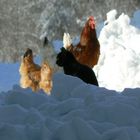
[{"x": 74, "y": 111}]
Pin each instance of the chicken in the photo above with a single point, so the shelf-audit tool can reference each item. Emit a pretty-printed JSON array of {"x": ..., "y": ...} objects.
[
  {"x": 71, "y": 66},
  {"x": 87, "y": 51},
  {"x": 29, "y": 71},
  {"x": 34, "y": 76},
  {"x": 46, "y": 78}
]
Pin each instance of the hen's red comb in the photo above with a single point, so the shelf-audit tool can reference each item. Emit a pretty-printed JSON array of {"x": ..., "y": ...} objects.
[
  {"x": 91, "y": 22},
  {"x": 91, "y": 17}
]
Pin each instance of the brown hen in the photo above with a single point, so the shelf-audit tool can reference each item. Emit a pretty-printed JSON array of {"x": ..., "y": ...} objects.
[{"x": 87, "y": 51}]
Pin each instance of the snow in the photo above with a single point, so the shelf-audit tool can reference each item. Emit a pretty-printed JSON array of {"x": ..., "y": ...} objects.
[
  {"x": 120, "y": 53},
  {"x": 8, "y": 79},
  {"x": 76, "y": 110}
]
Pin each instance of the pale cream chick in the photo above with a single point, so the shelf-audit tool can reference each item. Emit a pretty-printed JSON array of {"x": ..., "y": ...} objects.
[{"x": 46, "y": 78}]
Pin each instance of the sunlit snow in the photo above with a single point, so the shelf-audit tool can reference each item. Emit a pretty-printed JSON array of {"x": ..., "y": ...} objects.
[{"x": 119, "y": 63}]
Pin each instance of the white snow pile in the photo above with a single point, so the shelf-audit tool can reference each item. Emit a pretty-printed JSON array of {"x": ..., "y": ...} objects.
[
  {"x": 119, "y": 63},
  {"x": 74, "y": 111}
]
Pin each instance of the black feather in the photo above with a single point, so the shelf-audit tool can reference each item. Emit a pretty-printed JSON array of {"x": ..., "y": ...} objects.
[
  {"x": 28, "y": 52},
  {"x": 72, "y": 67}
]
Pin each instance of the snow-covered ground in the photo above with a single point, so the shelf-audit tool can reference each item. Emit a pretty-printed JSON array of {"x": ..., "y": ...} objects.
[
  {"x": 75, "y": 110},
  {"x": 9, "y": 76}
]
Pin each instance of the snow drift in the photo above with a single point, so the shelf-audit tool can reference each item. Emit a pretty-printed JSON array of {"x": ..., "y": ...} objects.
[
  {"x": 74, "y": 111},
  {"x": 119, "y": 63}
]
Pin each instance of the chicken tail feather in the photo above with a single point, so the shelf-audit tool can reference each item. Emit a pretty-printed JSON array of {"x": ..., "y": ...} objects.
[{"x": 66, "y": 40}]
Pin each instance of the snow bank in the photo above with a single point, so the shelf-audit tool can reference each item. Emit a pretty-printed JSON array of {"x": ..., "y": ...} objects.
[
  {"x": 119, "y": 63},
  {"x": 74, "y": 111}
]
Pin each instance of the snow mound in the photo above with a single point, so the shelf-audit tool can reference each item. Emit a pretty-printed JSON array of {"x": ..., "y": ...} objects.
[
  {"x": 74, "y": 111},
  {"x": 119, "y": 62}
]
